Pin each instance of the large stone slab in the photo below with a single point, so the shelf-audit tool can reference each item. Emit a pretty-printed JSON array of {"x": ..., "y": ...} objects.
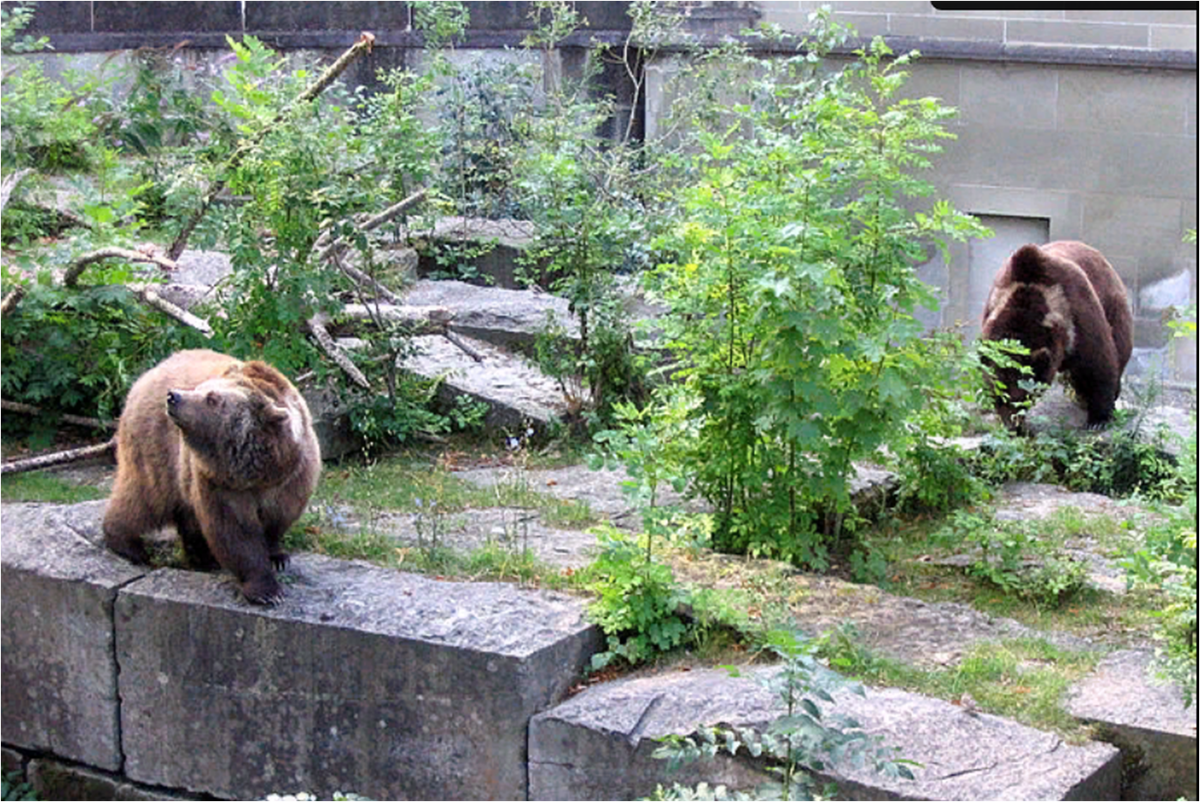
[
  {"x": 59, "y": 668},
  {"x": 597, "y": 745},
  {"x": 514, "y": 389},
  {"x": 364, "y": 680},
  {"x": 1147, "y": 720},
  {"x": 494, "y": 314}
]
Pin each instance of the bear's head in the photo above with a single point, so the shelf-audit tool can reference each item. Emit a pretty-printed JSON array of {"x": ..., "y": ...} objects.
[
  {"x": 1035, "y": 316},
  {"x": 244, "y": 431}
]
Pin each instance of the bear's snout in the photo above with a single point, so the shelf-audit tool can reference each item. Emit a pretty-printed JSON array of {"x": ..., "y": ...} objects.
[{"x": 173, "y": 401}]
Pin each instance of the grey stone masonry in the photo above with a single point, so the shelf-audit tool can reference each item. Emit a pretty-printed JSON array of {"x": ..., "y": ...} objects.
[
  {"x": 598, "y": 744},
  {"x": 364, "y": 680},
  {"x": 59, "y": 664},
  {"x": 1147, "y": 720}
]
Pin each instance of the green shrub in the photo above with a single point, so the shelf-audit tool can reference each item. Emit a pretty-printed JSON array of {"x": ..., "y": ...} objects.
[
  {"x": 14, "y": 786},
  {"x": 1015, "y": 557},
  {"x": 792, "y": 294},
  {"x": 800, "y": 741}
]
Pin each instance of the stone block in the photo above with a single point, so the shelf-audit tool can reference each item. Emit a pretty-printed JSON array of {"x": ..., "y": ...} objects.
[
  {"x": 59, "y": 669},
  {"x": 502, "y": 243},
  {"x": 1009, "y": 95},
  {"x": 1137, "y": 16},
  {"x": 332, "y": 15},
  {"x": 1173, "y": 37},
  {"x": 1119, "y": 224},
  {"x": 514, "y": 15},
  {"x": 1146, "y": 718},
  {"x": 1123, "y": 100},
  {"x": 55, "y": 16},
  {"x": 493, "y": 314},
  {"x": 597, "y": 744},
  {"x": 946, "y": 27},
  {"x": 52, "y": 779},
  {"x": 514, "y": 389},
  {"x": 1077, "y": 33},
  {"x": 364, "y": 680},
  {"x": 121, "y": 16}
]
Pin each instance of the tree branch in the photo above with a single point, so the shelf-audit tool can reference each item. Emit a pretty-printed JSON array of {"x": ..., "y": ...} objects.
[
  {"x": 9, "y": 184},
  {"x": 316, "y": 325},
  {"x": 77, "y": 267},
  {"x": 12, "y": 299},
  {"x": 29, "y": 409}
]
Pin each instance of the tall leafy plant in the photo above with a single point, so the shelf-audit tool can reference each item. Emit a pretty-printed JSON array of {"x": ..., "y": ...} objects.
[{"x": 793, "y": 293}]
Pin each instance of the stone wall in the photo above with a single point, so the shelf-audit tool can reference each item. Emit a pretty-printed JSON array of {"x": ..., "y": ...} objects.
[{"x": 365, "y": 680}]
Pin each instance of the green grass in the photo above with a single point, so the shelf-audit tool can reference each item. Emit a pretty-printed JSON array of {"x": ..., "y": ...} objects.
[
  {"x": 1023, "y": 679},
  {"x": 42, "y": 486},
  {"x": 408, "y": 484}
]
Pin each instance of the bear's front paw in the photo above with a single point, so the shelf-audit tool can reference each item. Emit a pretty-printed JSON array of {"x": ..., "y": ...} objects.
[
  {"x": 280, "y": 560},
  {"x": 264, "y": 590},
  {"x": 132, "y": 550}
]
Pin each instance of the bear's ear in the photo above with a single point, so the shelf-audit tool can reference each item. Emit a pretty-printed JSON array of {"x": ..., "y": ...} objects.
[
  {"x": 275, "y": 413},
  {"x": 1041, "y": 361}
]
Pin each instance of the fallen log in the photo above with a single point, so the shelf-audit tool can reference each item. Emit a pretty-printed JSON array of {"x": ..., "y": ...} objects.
[{"x": 59, "y": 458}]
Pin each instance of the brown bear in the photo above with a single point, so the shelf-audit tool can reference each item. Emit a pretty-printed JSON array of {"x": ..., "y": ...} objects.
[
  {"x": 1065, "y": 303},
  {"x": 224, "y": 450}
]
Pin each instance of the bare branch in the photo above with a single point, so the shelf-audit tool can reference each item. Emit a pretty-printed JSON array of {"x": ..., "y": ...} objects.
[
  {"x": 466, "y": 349},
  {"x": 12, "y": 299},
  {"x": 362, "y": 279},
  {"x": 59, "y": 458},
  {"x": 316, "y": 325},
  {"x": 29, "y": 409},
  {"x": 421, "y": 319},
  {"x": 372, "y": 223},
  {"x": 146, "y": 293},
  {"x": 10, "y": 183},
  {"x": 77, "y": 267}
]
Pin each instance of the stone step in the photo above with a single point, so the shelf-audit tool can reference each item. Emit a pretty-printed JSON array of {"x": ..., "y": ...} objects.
[
  {"x": 1146, "y": 719},
  {"x": 499, "y": 316},
  {"x": 598, "y": 745}
]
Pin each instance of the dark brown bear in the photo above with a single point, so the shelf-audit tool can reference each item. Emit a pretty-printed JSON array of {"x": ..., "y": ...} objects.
[
  {"x": 1065, "y": 303},
  {"x": 225, "y": 451}
]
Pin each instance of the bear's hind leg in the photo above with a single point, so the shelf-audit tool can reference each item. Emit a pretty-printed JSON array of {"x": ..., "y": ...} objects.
[
  {"x": 125, "y": 521},
  {"x": 195, "y": 547}
]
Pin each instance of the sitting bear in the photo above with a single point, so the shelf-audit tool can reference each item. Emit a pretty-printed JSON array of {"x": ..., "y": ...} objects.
[
  {"x": 1065, "y": 303},
  {"x": 223, "y": 449}
]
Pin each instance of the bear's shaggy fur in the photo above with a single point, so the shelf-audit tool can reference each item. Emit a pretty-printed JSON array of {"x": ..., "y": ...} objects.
[
  {"x": 224, "y": 450},
  {"x": 1066, "y": 304}
]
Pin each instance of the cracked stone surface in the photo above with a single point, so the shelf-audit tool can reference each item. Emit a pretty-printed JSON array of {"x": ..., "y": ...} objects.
[{"x": 598, "y": 745}]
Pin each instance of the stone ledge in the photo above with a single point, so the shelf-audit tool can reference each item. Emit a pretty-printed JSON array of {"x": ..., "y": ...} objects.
[
  {"x": 1146, "y": 719},
  {"x": 597, "y": 745},
  {"x": 364, "y": 680},
  {"x": 59, "y": 667}
]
